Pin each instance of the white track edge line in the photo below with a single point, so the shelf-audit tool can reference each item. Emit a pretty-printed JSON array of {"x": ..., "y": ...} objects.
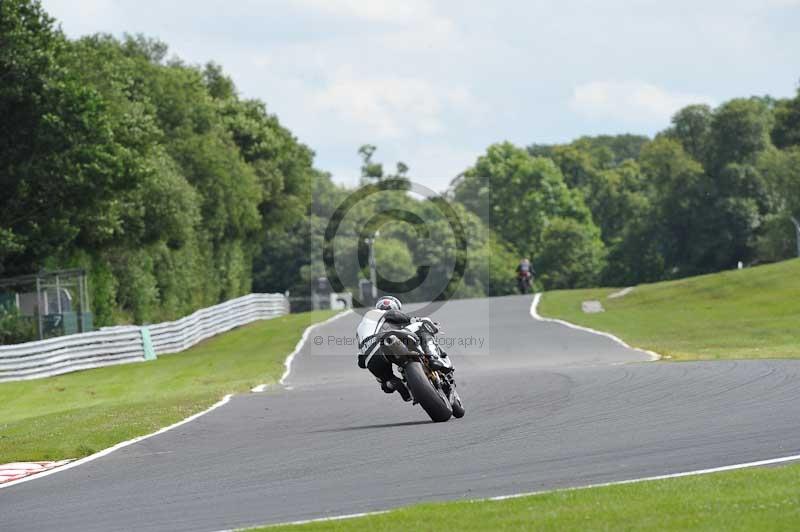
[
  {"x": 322, "y": 519},
  {"x": 221, "y": 402},
  {"x": 720, "y": 469},
  {"x": 732, "y": 467},
  {"x": 288, "y": 362},
  {"x": 535, "y": 314},
  {"x": 118, "y": 446}
]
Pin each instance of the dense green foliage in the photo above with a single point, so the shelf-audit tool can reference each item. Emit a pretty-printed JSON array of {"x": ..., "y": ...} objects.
[
  {"x": 527, "y": 201},
  {"x": 717, "y": 187},
  {"x": 14, "y": 328},
  {"x": 153, "y": 175}
]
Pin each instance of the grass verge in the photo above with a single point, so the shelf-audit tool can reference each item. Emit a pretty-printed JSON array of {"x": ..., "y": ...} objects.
[
  {"x": 748, "y": 499},
  {"x": 77, "y": 414},
  {"x": 749, "y": 313}
]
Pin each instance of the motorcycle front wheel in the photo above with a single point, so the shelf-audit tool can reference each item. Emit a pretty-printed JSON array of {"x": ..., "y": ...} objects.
[
  {"x": 457, "y": 406},
  {"x": 431, "y": 400}
]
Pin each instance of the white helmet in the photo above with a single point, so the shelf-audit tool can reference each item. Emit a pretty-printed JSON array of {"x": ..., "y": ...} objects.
[{"x": 388, "y": 303}]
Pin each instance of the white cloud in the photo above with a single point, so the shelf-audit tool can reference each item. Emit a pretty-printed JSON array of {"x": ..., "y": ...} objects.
[
  {"x": 85, "y": 16},
  {"x": 433, "y": 82},
  {"x": 757, "y": 5},
  {"x": 374, "y": 10},
  {"x": 407, "y": 26},
  {"x": 630, "y": 101},
  {"x": 390, "y": 107}
]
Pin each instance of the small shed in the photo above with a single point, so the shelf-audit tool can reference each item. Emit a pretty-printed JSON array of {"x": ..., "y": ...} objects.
[{"x": 57, "y": 301}]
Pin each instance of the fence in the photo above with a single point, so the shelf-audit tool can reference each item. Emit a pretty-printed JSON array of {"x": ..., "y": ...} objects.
[{"x": 124, "y": 344}]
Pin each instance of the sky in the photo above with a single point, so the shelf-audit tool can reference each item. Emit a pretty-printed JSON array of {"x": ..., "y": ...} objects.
[{"x": 434, "y": 83}]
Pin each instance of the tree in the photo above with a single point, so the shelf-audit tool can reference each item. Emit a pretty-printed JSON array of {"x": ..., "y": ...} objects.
[
  {"x": 781, "y": 171},
  {"x": 612, "y": 150},
  {"x": 740, "y": 130},
  {"x": 219, "y": 85},
  {"x": 369, "y": 169},
  {"x": 571, "y": 256},
  {"x": 152, "y": 175},
  {"x": 373, "y": 171},
  {"x": 707, "y": 223},
  {"x": 519, "y": 196},
  {"x": 691, "y": 126},
  {"x": 637, "y": 255},
  {"x": 787, "y": 123},
  {"x": 61, "y": 167},
  {"x": 402, "y": 169}
]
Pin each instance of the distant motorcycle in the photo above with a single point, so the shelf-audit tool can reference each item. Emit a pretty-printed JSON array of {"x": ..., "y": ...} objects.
[
  {"x": 524, "y": 280},
  {"x": 429, "y": 379}
]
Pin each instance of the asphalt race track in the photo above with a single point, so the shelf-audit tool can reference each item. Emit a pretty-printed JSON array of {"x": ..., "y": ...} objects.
[{"x": 547, "y": 407}]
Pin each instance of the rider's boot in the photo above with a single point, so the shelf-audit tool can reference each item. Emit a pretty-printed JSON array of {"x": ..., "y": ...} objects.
[
  {"x": 396, "y": 384},
  {"x": 441, "y": 363}
]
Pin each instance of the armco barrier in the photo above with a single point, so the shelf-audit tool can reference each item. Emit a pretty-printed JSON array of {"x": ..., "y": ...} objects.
[{"x": 120, "y": 345}]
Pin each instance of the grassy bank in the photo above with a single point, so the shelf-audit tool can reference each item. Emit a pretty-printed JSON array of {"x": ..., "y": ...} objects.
[
  {"x": 749, "y": 313},
  {"x": 74, "y": 415},
  {"x": 752, "y": 499}
]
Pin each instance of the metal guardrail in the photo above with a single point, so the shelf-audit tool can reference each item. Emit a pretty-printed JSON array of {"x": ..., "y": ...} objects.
[{"x": 130, "y": 343}]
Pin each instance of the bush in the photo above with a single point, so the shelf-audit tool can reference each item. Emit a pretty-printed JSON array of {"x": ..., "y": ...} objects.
[{"x": 15, "y": 329}]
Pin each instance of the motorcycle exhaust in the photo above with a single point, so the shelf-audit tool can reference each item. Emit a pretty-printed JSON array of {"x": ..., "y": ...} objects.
[{"x": 395, "y": 346}]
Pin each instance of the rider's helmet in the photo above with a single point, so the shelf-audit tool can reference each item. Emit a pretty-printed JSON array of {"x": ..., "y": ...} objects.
[{"x": 388, "y": 303}]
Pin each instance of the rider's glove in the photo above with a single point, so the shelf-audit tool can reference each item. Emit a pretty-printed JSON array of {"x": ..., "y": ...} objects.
[
  {"x": 430, "y": 325},
  {"x": 362, "y": 361}
]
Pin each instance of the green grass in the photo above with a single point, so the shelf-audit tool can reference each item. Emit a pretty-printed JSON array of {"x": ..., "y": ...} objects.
[
  {"x": 77, "y": 414},
  {"x": 749, "y": 313},
  {"x": 752, "y": 499}
]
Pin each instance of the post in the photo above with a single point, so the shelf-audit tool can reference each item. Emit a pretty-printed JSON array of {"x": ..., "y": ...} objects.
[
  {"x": 58, "y": 294},
  {"x": 373, "y": 270},
  {"x": 85, "y": 301},
  {"x": 39, "y": 306},
  {"x": 147, "y": 344},
  {"x": 797, "y": 233}
]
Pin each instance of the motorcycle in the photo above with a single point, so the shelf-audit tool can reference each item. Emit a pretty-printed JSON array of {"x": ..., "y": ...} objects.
[
  {"x": 428, "y": 378},
  {"x": 524, "y": 280}
]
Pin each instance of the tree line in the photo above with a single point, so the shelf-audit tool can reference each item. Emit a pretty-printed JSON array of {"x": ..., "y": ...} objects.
[
  {"x": 717, "y": 187},
  {"x": 175, "y": 193},
  {"x": 153, "y": 175}
]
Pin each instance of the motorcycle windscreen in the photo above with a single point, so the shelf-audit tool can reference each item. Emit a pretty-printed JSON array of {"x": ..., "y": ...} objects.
[{"x": 369, "y": 324}]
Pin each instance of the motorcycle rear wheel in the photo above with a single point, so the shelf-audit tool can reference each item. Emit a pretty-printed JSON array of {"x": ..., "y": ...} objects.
[{"x": 430, "y": 399}]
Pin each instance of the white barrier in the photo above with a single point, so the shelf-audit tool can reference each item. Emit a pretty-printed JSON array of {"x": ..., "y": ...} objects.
[{"x": 120, "y": 345}]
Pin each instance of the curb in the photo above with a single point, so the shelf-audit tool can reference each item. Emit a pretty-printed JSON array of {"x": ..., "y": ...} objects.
[
  {"x": 535, "y": 315},
  {"x": 17, "y": 470}
]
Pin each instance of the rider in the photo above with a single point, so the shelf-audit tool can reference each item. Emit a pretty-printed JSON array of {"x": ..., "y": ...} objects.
[
  {"x": 391, "y": 318},
  {"x": 525, "y": 269}
]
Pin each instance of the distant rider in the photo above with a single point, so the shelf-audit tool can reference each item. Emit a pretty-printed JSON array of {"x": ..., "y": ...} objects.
[
  {"x": 387, "y": 317},
  {"x": 525, "y": 274},
  {"x": 525, "y": 267}
]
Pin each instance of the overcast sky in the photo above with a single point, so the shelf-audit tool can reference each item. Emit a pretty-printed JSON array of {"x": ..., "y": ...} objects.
[{"x": 433, "y": 83}]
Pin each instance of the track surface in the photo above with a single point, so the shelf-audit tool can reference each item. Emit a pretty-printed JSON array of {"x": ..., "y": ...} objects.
[{"x": 547, "y": 407}]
